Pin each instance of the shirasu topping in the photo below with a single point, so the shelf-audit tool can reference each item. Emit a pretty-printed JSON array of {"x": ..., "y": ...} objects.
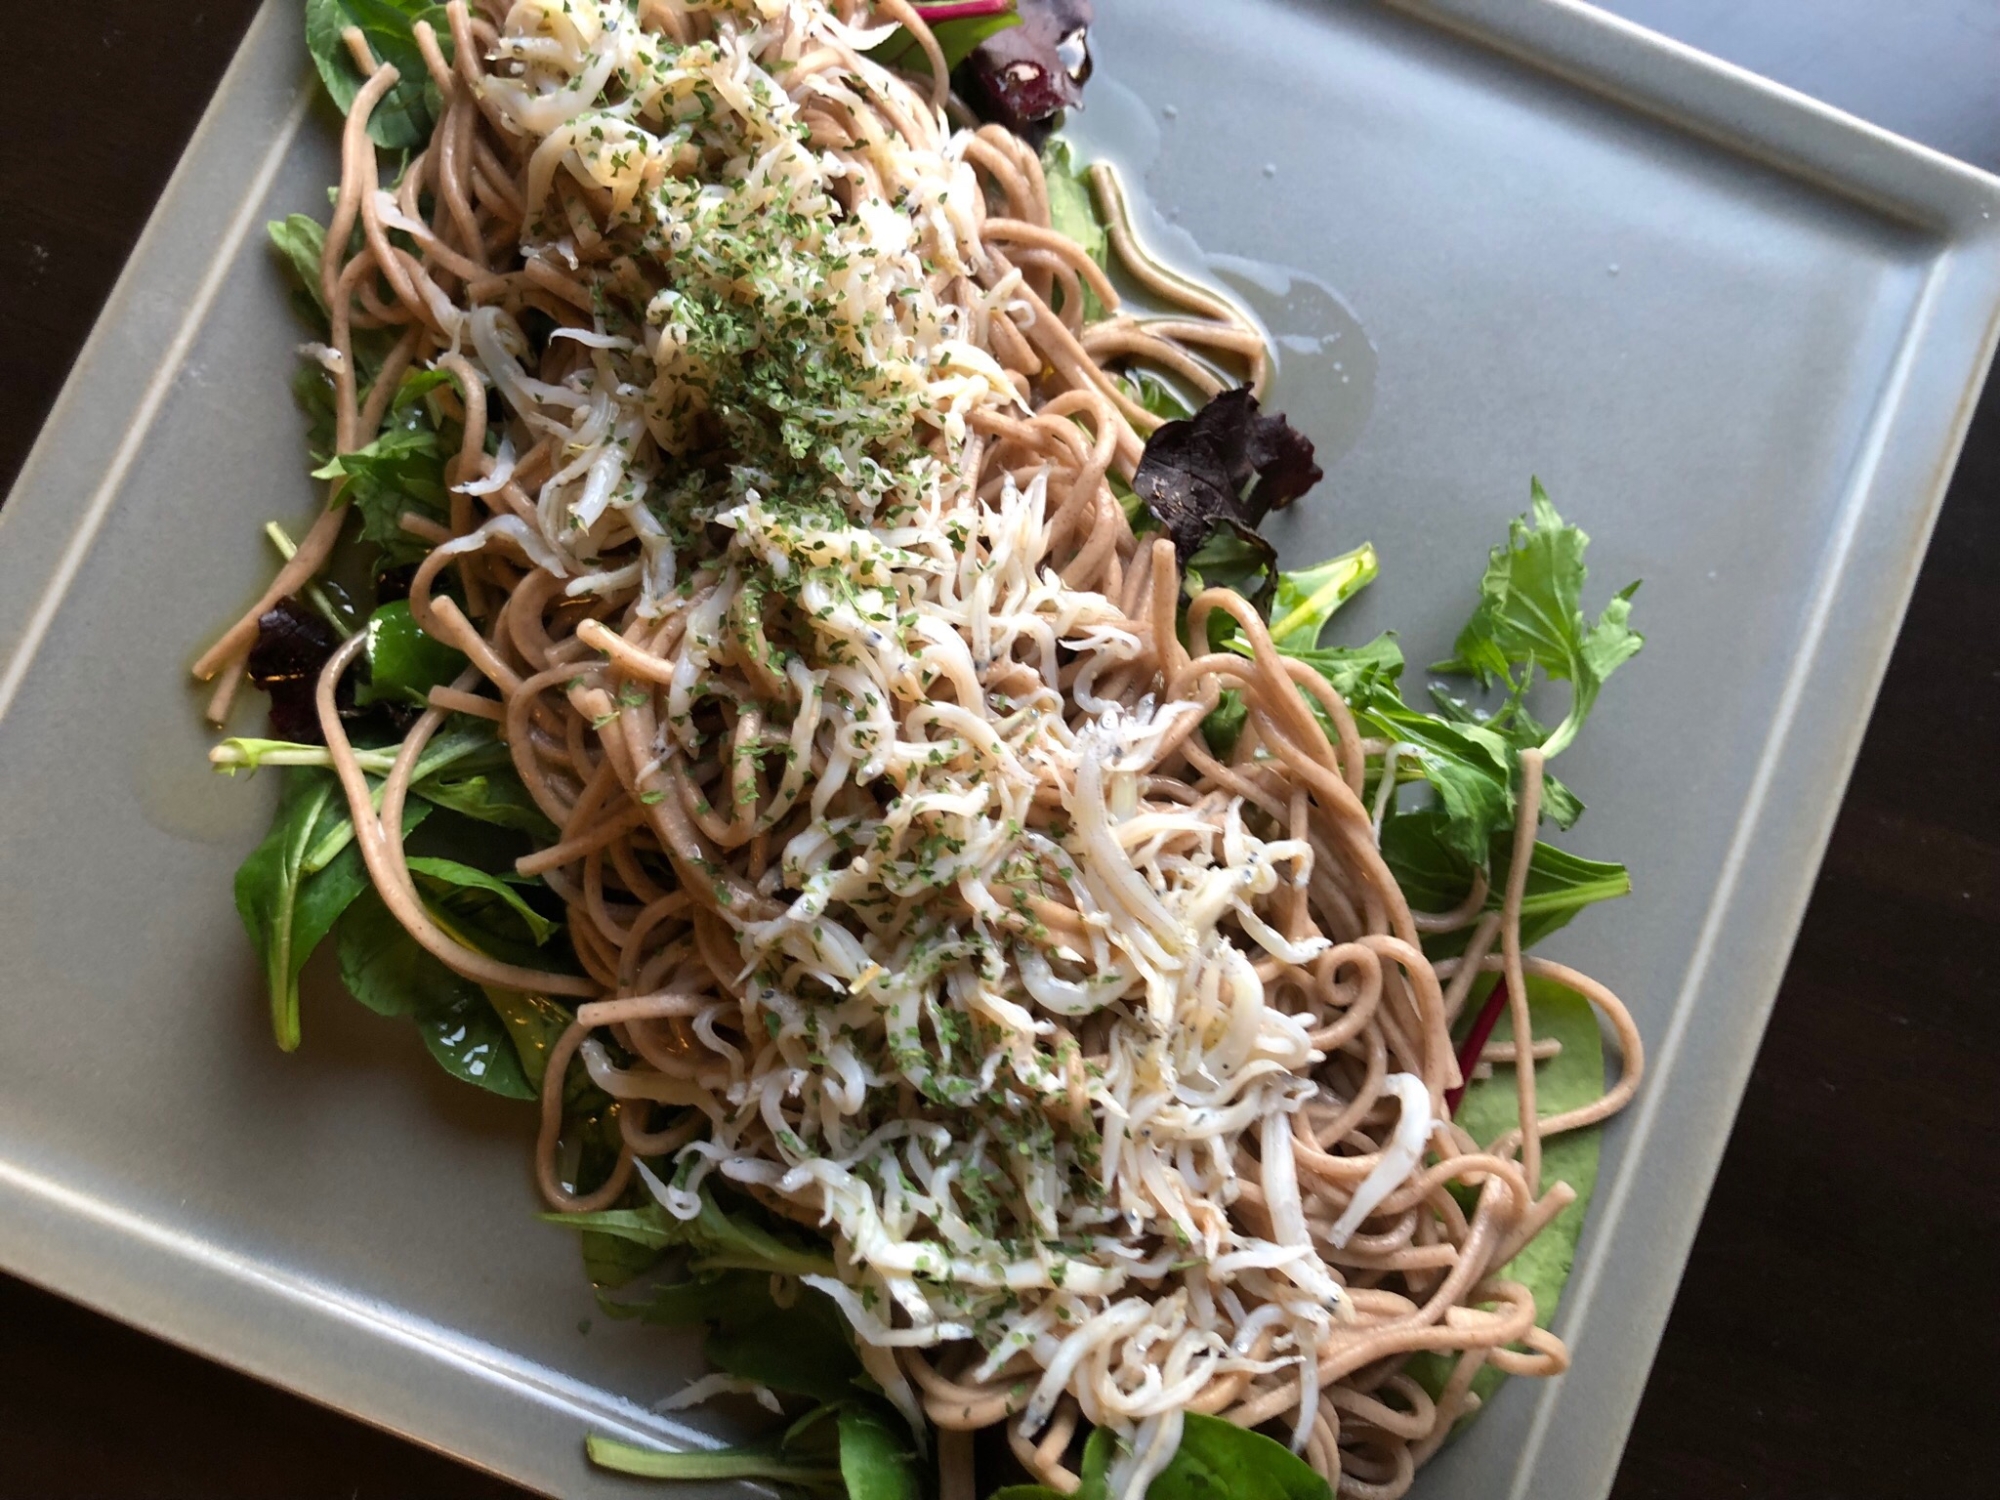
[{"x": 1019, "y": 1135}]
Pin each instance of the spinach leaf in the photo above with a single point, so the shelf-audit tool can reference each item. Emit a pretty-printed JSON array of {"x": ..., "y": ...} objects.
[
  {"x": 609, "y": 1262},
  {"x": 290, "y": 893},
  {"x": 875, "y": 1458},
  {"x": 401, "y": 470},
  {"x": 388, "y": 971},
  {"x": 536, "y": 1024},
  {"x": 1569, "y": 1080},
  {"x": 404, "y": 663},
  {"x": 1530, "y": 615},
  {"x": 461, "y": 740},
  {"x": 403, "y": 119},
  {"x": 1153, "y": 392},
  {"x": 301, "y": 239},
  {"x": 1073, "y": 214},
  {"x": 803, "y": 1349},
  {"x": 287, "y": 908},
  {"x": 469, "y": 1042},
  {"x": 478, "y": 903},
  {"x": 721, "y": 1240},
  {"x": 1218, "y": 1460},
  {"x": 495, "y": 797},
  {"x": 1071, "y": 208},
  {"x": 1308, "y": 598}
]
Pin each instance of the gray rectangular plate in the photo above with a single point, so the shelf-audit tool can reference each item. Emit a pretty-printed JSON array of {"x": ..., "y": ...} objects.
[{"x": 1737, "y": 334}]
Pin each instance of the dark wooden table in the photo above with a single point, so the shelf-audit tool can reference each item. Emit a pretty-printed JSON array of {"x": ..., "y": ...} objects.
[{"x": 1834, "y": 1334}]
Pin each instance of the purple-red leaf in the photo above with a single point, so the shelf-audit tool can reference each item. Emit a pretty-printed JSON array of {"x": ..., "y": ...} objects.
[
  {"x": 1474, "y": 1046},
  {"x": 293, "y": 644},
  {"x": 1025, "y": 76},
  {"x": 1227, "y": 466}
]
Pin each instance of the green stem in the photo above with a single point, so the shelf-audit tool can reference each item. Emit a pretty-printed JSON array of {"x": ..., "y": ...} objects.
[
  {"x": 725, "y": 1463},
  {"x": 314, "y": 594}
]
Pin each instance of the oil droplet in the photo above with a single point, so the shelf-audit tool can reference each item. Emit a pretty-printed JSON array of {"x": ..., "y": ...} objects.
[
  {"x": 1613, "y": 268},
  {"x": 1172, "y": 112},
  {"x": 178, "y": 791},
  {"x": 1325, "y": 376},
  {"x": 1325, "y": 379},
  {"x": 1270, "y": 169}
]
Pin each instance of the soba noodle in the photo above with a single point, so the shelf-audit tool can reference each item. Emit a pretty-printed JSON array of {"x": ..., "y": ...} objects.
[{"x": 895, "y": 858}]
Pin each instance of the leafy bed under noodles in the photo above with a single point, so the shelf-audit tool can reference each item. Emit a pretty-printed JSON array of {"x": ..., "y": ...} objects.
[{"x": 788, "y": 677}]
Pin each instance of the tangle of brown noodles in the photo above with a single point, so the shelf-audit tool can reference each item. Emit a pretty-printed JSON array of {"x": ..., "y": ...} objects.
[{"x": 663, "y": 859}]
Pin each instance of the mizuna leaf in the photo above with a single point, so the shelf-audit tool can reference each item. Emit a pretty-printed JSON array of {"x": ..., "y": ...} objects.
[{"x": 1530, "y": 616}]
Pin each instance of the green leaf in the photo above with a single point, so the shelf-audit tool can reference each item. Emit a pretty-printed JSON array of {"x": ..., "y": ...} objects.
[
  {"x": 495, "y": 797},
  {"x": 469, "y": 1042},
  {"x": 480, "y": 908},
  {"x": 610, "y": 1262},
  {"x": 388, "y": 971},
  {"x": 1072, "y": 210},
  {"x": 760, "y": 1461},
  {"x": 1225, "y": 561},
  {"x": 402, "y": 470},
  {"x": 1436, "y": 877},
  {"x": 461, "y": 740},
  {"x": 876, "y": 1461},
  {"x": 290, "y": 895},
  {"x": 1530, "y": 615},
  {"x": 1490, "y": 1107},
  {"x": 1469, "y": 766},
  {"x": 287, "y": 910},
  {"x": 301, "y": 239},
  {"x": 1365, "y": 676},
  {"x": 312, "y": 389},
  {"x": 1559, "y": 804},
  {"x": 1309, "y": 598},
  {"x": 956, "y": 39},
  {"x": 1073, "y": 214},
  {"x": 721, "y": 1240},
  {"x": 1224, "y": 725},
  {"x": 536, "y": 1024},
  {"x": 1156, "y": 395},
  {"x": 405, "y": 115},
  {"x": 677, "y": 1304},
  {"x": 1098, "y": 1450},
  {"x": 250, "y": 754},
  {"x": 415, "y": 385},
  {"x": 802, "y": 1348},
  {"x": 384, "y": 967},
  {"x": 404, "y": 663},
  {"x": 1218, "y": 1460}
]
